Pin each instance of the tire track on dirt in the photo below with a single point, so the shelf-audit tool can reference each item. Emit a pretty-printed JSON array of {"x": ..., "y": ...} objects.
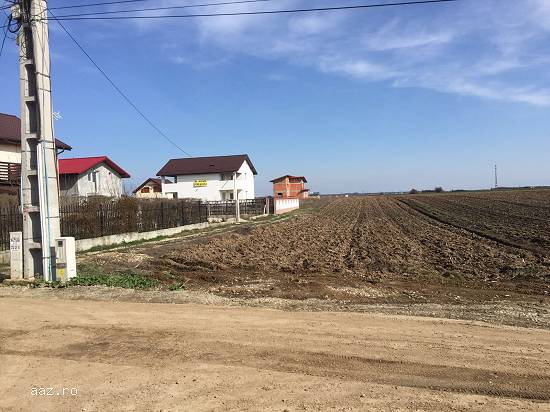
[{"x": 138, "y": 347}]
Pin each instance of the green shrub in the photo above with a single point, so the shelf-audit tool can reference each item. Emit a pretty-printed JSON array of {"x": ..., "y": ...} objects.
[{"x": 89, "y": 276}]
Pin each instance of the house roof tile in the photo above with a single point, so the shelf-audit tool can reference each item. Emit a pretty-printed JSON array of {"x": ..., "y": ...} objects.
[
  {"x": 10, "y": 132},
  {"x": 79, "y": 165},
  {"x": 205, "y": 165},
  {"x": 289, "y": 176},
  {"x": 153, "y": 180}
]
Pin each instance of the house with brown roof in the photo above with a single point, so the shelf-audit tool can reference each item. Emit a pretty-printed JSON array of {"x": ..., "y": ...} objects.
[
  {"x": 209, "y": 178},
  {"x": 290, "y": 187},
  {"x": 10, "y": 152},
  {"x": 150, "y": 189}
]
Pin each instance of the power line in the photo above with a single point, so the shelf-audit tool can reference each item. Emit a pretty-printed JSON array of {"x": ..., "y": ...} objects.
[
  {"x": 124, "y": 96},
  {"x": 4, "y": 40},
  {"x": 251, "y": 13},
  {"x": 96, "y": 4},
  {"x": 6, "y": 6},
  {"x": 7, "y": 28},
  {"x": 164, "y": 8}
]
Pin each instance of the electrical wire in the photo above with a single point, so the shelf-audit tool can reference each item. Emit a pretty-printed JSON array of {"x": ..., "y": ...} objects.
[
  {"x": 6, "y": 6},
  {"x": 113, "y": 84},
  {"x": 224, "y": 3},
  {"x": 74, "y": 6},
  {"x": 251, "y": 13},
  {"x": 5, "y": 36}
]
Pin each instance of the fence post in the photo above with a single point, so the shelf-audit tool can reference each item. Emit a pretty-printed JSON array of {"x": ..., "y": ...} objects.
[
  {"x": 101, "y": 225},
  {"x": 200, "y": 216},
  {"x": 182, "y": 213},
  {"x": 162, "y": 215}
]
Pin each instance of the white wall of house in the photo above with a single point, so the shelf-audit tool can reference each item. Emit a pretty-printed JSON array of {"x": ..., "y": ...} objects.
[
  {"x": 218, "y": 186},
  {"x": 100, "y": 180},
  {"x": 10, "y": 153}
]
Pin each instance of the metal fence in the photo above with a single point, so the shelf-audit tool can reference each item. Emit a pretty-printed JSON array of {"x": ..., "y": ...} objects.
[
  {"x": 249, "y": 207},
  {"x": 89, "y": 219},
  {"x": 10, "y": 221}
]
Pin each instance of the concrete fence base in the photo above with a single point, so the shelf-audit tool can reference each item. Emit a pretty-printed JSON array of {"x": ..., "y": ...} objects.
[
  {"x": 86, "y": 244},
  {"x": 83, "y": 245},
  {"x": 286, "y": 205}
]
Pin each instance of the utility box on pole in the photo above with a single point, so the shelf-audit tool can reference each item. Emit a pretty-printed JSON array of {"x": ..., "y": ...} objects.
[
  {"x": 65, "y": 253},
  {"x": 39, "y": 184}
]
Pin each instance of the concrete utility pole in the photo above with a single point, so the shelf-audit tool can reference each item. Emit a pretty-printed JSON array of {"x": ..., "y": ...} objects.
[
  {"x": 496, "y": 177},
  {"x": 39, "y": 185},
  {"x": 236, "y": 198}
]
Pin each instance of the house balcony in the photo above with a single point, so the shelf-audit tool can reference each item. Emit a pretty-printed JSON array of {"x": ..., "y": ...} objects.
[{"x": 10, "y": 174}]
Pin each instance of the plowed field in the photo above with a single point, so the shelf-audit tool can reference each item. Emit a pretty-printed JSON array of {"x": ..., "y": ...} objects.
[{"x": 439, "y": 248}]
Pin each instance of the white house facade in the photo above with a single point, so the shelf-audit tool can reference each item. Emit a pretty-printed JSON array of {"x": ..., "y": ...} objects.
[
  {"x": 209, "y": 178},
  {"x": 92, "y": 176}
]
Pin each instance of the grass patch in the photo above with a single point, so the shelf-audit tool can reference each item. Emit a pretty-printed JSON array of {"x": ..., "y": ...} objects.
[{"x": 89, "y": 276}]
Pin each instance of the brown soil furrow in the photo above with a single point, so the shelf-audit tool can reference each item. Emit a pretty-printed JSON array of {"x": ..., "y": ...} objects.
[
  {"x": 483, "y": 234},
  {"x": 359, "y": 249}
]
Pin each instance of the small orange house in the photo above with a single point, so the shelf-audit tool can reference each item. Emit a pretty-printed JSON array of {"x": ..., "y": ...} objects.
[{"x": 290, "y": 187}]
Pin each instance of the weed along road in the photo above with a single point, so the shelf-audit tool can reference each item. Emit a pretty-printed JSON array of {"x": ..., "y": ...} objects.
[{"x": 149, "y": 356}]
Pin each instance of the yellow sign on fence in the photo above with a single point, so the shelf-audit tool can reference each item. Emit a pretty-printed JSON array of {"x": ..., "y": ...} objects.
[{"x": 200, "y": 183}]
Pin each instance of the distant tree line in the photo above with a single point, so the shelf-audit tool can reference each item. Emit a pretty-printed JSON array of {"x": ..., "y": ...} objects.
[{"x": 438, "y": 189}]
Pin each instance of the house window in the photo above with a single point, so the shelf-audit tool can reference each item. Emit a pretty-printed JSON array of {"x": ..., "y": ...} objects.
[
  {"x": 226, "y": 176},
  {"x": 93, "y": 177},
  {"x": 157, "y": 189},
  {"x": 280, "y": 195},
  {"x": 145, "y": 190}
]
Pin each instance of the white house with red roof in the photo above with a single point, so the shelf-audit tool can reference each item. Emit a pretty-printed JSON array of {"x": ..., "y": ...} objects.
[{"x": 90, "y": 176}]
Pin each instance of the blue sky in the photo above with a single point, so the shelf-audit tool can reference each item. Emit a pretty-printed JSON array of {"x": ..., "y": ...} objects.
[{"x": 373, "y": 100}]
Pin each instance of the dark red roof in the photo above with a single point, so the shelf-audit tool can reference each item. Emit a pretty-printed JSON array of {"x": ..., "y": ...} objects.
[
  {"x": 155, "y": 181},
  {"x": 79, "y": 165},
  {"x": 290, "y": 177},
  {"x": 204, "y": 165},
  {"x": 10, "y": 132}
]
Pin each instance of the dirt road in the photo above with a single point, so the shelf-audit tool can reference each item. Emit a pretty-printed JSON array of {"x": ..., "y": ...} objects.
[{"x": 145, "y": 356}]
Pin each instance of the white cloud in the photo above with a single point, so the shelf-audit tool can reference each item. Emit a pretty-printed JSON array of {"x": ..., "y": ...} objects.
[
  {"x": 315, "y": 24},
  {"x": 359, "y": 68},
  {"x": 491, "y": 49},
  {"x": 395, "y": 35}
]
